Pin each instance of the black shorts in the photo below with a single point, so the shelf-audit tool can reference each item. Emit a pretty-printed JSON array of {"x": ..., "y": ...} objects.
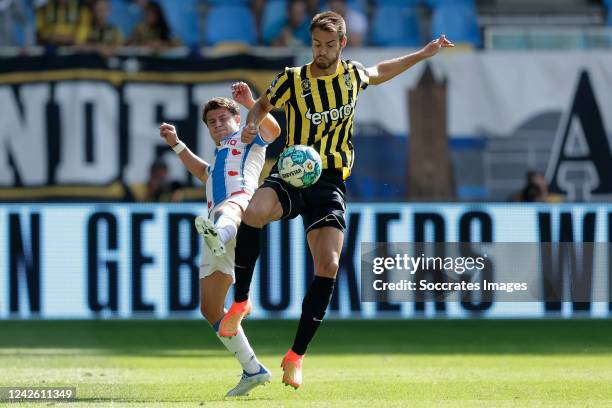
[{"x": 320, "y": 205}]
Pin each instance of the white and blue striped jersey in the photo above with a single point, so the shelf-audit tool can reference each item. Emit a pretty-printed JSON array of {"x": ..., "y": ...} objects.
[{"x": 234, "y": 172}]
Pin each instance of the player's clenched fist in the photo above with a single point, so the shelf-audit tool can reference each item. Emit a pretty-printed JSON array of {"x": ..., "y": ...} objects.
[
  {"x": 241, "y": 93},
  {"x": 248, "y": 133},
  {"x": 168, "y": 133}
]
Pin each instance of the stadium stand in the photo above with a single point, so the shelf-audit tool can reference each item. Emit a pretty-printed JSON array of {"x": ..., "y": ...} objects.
[
  {"x": 16, "y": 24},
  {"x": 396, "y": 25},
  {"x": 501, "y": 24},
  {"x": 242, "y": 29},
  {"x": 184, "y": 20},
  {"x": 229, "y": 2},
  {"x": 563, "y": 25},
  {"x": 361, "y": 6},
  {"x": 125, "y": 15},
  {"x": 274, "y": 13},
  {"x": 457, "y": 19}
]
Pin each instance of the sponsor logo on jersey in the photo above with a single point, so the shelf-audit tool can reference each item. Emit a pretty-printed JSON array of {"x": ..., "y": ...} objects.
[
  {"x": 230, "y": 142},
  {"x": 330, "y": 115}
]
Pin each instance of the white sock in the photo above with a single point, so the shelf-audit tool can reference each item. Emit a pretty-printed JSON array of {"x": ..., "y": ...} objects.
[
  {"x": 239, "y": 345},
  {"x": 226, "y": 228}
]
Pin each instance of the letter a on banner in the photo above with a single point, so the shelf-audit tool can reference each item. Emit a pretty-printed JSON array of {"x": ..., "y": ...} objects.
[{"x": 581, "y": 157}]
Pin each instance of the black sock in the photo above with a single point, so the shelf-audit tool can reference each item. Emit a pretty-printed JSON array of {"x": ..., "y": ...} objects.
[
  {"x": 247, "y": 252},
  {"x": 313, "y": 310}
]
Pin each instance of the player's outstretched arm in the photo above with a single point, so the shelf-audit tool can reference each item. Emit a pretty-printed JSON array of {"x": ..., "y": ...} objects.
[
  {"x": 270, "y": 128},
  {"x": 386, "y": 70},
  {"x": 191, "y": 161}
]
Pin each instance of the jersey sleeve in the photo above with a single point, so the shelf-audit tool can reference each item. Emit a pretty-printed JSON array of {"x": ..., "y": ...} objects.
[
  {"x": 260, "y": 141},
  {"x": 362, "y": 74},
  {"x": 279, "y": 91}
]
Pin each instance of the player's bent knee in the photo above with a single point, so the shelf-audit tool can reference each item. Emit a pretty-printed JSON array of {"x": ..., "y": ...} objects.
[
  {"x": 263, "y": 208},
  {"x": 328, "y": 268},
  {"x": 256, "y": 215}
]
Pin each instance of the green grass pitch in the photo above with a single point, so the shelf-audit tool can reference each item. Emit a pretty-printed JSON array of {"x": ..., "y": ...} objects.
[{"x": 383, "y": 363}]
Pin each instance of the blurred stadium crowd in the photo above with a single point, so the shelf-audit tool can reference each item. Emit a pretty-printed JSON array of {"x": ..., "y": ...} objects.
[
  {"x": 381, "y": 23},
  {"x": 196, "y": 23}
]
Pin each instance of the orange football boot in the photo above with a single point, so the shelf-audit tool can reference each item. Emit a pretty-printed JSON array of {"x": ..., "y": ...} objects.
[
  {"x": 292, "y": 369},
  {"x": 231, "y": 321}
]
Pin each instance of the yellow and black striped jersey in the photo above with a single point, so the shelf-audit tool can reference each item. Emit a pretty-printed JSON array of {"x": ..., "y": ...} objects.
[
  {"x": 61, "y": 19},
  {"x": 107, "y": 34},
  {"x": 319, "y": 111}
]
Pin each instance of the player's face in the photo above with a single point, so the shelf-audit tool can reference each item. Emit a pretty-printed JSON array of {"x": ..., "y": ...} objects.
[
  {"x": 326, "y": 48},
  {"x": 221, "y": 123}
]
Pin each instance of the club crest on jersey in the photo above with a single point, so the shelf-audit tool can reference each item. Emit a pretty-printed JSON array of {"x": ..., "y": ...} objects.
[
  {"x": 347, "y": 81},
  {"x": 306, "y": 87}
]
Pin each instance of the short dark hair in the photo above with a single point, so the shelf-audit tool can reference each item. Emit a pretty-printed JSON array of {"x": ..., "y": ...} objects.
[
  {"x": 330, "y": 22},
  {"x": 220, "y": 103}
]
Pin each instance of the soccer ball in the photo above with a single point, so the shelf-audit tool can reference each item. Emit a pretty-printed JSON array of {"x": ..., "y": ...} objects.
[{"x": 299, "y": 166}]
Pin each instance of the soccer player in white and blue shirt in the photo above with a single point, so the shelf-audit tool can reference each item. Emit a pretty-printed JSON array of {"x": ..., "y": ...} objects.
[{"x": 231, "y": 179}]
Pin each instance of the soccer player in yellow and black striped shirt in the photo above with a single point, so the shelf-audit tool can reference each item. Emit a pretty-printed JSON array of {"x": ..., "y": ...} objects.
[
  {"x": 319, "y": 100},
  {"x": 319, "y": 110}
]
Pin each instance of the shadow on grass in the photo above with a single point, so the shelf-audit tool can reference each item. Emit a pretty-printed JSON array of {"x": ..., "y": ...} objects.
[
  {"x": 126, "y": 400},
  {"x": 189, "y": 338}
]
